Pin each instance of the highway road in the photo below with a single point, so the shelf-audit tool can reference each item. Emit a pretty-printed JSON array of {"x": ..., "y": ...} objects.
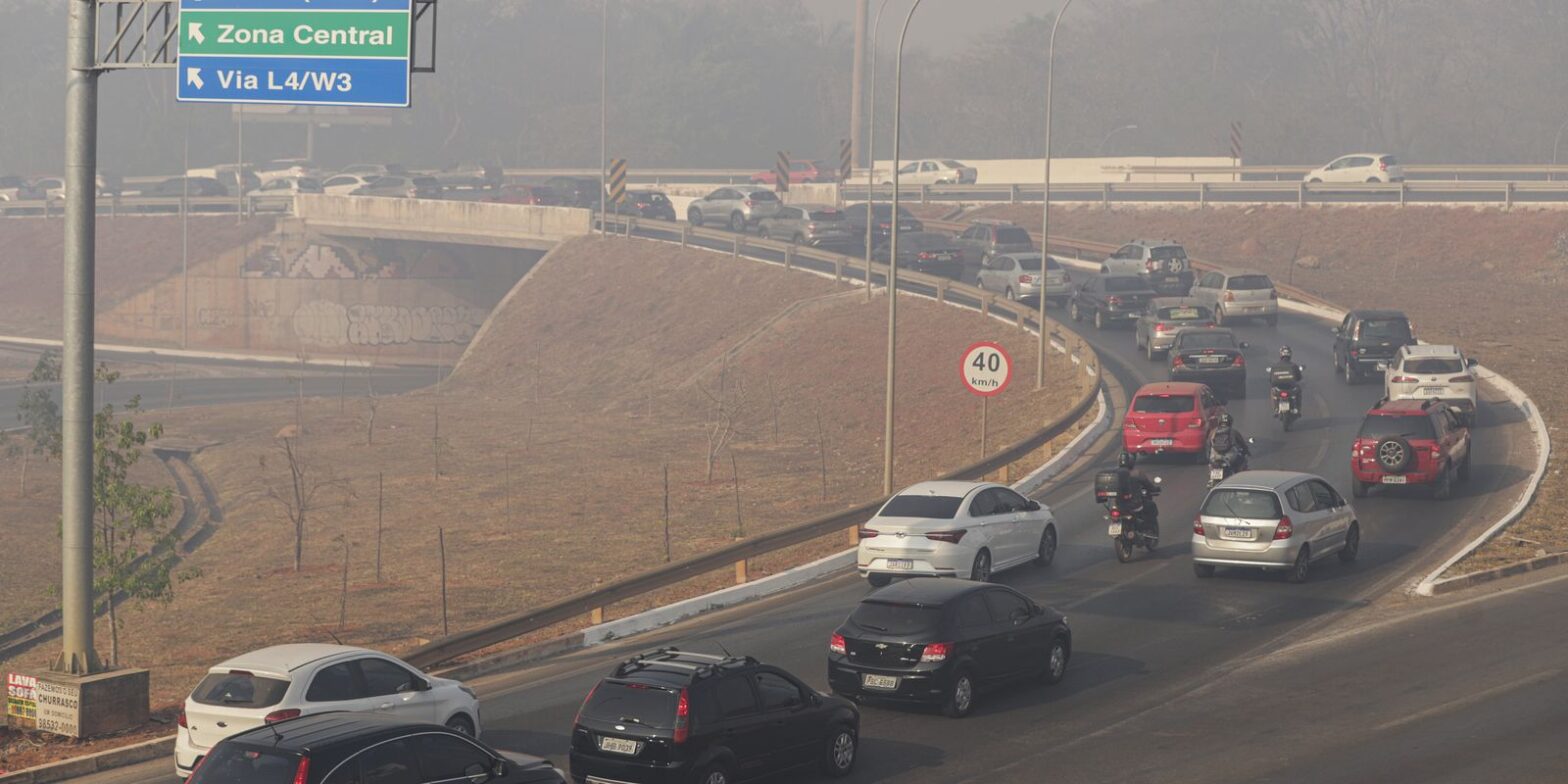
[{"x": 1172, "y": 678}]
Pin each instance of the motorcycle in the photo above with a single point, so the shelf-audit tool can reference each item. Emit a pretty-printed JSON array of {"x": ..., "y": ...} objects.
[
  {"x": 1222, "y": 466},
  {"x": 1132, "y": 524},
  {"x": 1285, "y": 408}
]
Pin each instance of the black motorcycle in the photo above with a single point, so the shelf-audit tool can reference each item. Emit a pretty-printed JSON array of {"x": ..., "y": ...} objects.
[
  {"x": 1224, "y": 464},
  {"x": 1134, "y": 521},
  {"x": 1285, "y": 399}
]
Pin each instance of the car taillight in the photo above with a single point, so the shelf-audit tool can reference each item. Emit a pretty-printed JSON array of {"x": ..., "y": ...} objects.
[
  {"x": 281, "y": 715},
  {"x": 884, "y": 225},
  {"x": 302, "y": 773},
  {"x": 867, "y": 533},
  {"x": 1382, "y": 166},
  {"x": 936, "y": 652},
  {"x": 1113, "y": 301},
  {"x": 1355, "y": 353},
  {"x": 1283, "y": 530},
  {"x": 747, "y": 202},
  {"x": 579, "y": 717},
  {"x": 1437, "y": 451},
  {"x": 1025, "y": 278},
  {"x": 1209, "y": 324},
  {"x": 181, "y": 719},
  {"x": 1230, "y": 296},
  {"x": 1403, "y": 380},
  {"x": 1195, "y": 424},
  {"x": 1461, "y": 379},
  {"x": 924, "y": 255},
  {"x": 1197, "y": 526},
  {"x": 812, "y": 226},
  {"x": 950, "y": 537},
  {"x": 1159, "y": 327},
  {"x": 682, "y": 717},
  {"x": 1240, "y": 361},
  {"x": 1116, "y": 514},
  {"x": 836, "y": 644},
  {"x": 1176, "y": 360}
]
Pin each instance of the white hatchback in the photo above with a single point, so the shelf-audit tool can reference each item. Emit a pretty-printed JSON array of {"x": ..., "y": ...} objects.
[
  {"x": 1359, "y": 167},
  {"x": 955, "y": 529},
  {"x": 1429, "y": 372},
  {"x": 285, "y": 681}
]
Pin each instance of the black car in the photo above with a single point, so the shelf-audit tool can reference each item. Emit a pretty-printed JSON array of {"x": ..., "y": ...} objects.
[
  {"x": 879, "y": 217},
  {"x": 1210, "y": 356},
  {"x": 1110, "y": 298},
  {"x": 199, "y": 186},
  {"x": 937, "y": 640},
  {"x": 1368, "y": 337},
  {"x": 651, "y": 204},
  {"x": 673, "y": 716},
  {"x": 576, "y": 191},
  {"x": 329, "y": 748},
  {"x": 930, "y": 252}
]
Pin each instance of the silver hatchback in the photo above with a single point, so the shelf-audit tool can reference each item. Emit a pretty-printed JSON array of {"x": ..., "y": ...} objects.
[
  {"x": 1273, "y": 520},
  {"x": 807, "y": 224},
  {"x": 1017, "y": 277},
  {"x": 736, "y": 206}
]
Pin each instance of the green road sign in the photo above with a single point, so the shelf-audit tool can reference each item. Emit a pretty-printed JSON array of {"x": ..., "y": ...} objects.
[{"x": 295, "y": 34}]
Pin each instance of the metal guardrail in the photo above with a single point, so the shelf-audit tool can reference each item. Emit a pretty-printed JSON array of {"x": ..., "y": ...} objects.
[
  {"x": 593, "y": 601},
  {"x": 1503, "y": 192},
  {"x": 141, "y": 205},
  {"x": 1455, "y": 171}
]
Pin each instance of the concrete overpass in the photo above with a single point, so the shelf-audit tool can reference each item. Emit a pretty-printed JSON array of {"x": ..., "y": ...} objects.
[{"x": 448, "y": 222}]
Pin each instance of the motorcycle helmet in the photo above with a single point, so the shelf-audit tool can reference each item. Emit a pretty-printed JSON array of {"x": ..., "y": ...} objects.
[
  {"x": 1284, "y": 353},
  {"x": 1126, "y": 460},
  {"x": 1225, "y": 419}
]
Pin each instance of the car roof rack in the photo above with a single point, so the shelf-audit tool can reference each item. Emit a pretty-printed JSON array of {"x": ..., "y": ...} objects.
[{"x": 705, "y": 664}]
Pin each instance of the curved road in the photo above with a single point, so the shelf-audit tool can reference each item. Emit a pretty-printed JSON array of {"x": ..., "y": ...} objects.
[{"x": 1180, "y": 663}]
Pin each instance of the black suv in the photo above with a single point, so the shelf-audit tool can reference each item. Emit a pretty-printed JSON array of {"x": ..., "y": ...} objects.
[
  {"x": 1369, "y": 337},
  {"x": 576, "y": 191},
  {"x": 938, "y": 640},
  {"x": 675, "y": 716},
  {"x": 348, "y": 748}
]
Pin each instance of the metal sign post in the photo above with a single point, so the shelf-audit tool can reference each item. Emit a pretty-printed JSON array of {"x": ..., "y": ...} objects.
[{"x": 986, "y": 369}]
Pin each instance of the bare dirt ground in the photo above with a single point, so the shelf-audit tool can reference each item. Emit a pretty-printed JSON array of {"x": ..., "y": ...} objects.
[
  {"x": 606, "y": 366},
  {"x": 1491, "y": 281}
]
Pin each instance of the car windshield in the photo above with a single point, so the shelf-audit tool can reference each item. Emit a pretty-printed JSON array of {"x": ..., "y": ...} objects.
[
  {"x": 896, "y": 619},
  {"x": 1168, "y": 252},
  {"x": 234, "y": 764},
  {"x": 1405, "y": 426},
  {"x": 1249, "y": 283},
  {"x": 1245, "y": 504},
  {"x": 937, "y": 507},
  {"x": 1434, "y": 365},
  {"x": 953, "y": 164},
  {"x": 650, "y": 706},
  {"x": 1162, "y": 404},
  {"x": 1205, "y": 340},
  {"x": 1012, "y": 236},
  {"x": 762, "y": 196},
  {"x": 1389, "y": 330},
  {"x": 1183, "y": 313},
  {"x": 1128, "y": 283},
  {"x": 241, "y": 689}
]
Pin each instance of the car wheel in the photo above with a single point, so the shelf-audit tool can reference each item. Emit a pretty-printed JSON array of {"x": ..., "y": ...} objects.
[
  {"x": 1219, "y": 317},
  {"x": 1123, "y": 549},
  {"x": 960, "y": 696},
  {"x": 1056, "y": 661},
  {"x": 1047, "y": 550},
  {"x": 1072, "y": 311},
  {"x": 1099, "y": 319},
  {"x": 838, "y": 753},
  {"x": 1303, "y": 564},
  {"x": 1352, "y": 548},
  {"x": 1148, "y": 350},
  {"x": 713, "y": 773},
  {"x": 737, "y": 223},
  {"x": 1314, "y": 181},
  {"x": 980, "y": 571},
  {"x": 1009, "y": 294},
  {"x": 879, "y": 580},
  {"x": 694, "y": 216},
  {"x": 1373, "y": 179},
  {"x": 1359, "y": 488},
  {"x": 1203, "y": 571},
  {"x": 1348, "y": 373},
  {"x": 461, "y": 724}
]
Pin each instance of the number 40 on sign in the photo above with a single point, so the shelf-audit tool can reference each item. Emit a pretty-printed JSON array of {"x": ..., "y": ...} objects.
[{"x": 986, "y": 369}]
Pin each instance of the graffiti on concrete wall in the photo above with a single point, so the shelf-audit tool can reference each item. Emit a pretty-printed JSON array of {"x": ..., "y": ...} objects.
[{"x": 326, "y": 323}]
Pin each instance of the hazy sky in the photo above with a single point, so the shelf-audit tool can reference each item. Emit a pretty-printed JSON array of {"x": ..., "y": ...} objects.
[{"x": 943, "y": 26}]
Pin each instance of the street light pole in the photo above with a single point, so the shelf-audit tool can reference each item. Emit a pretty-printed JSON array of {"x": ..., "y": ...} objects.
[
  {"x": 1045, "y": 199},
  {"x": 1098, "y": 151},
  {"x": 1555, "y": 142},
  {"x": 604, "y": 91},
  {"x": 892, "y": 264},
  {"x": 871, "y": 147}
]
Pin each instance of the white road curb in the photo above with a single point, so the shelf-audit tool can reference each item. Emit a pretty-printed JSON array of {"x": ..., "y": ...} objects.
[{"x": 175, "y": 353}]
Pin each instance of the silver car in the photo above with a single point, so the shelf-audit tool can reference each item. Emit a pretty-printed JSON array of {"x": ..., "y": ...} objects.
[
  {"x": 1238, "y": 294},
  {"x": 278, "y": 192},
  {"x": 737, "y": 206},
  {"x": 1273, "y": 520},
  {"x": 1156, "y": 328},
  {"x": 807, "y": 224},
  {"x": 1017, "y": 276}
]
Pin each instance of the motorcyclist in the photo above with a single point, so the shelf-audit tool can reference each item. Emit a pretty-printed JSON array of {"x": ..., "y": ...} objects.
[
  {"x": 1143, "y": 488},
  {"x": 1286, "y": 374},
  {"x": 1226, "y": 442}
]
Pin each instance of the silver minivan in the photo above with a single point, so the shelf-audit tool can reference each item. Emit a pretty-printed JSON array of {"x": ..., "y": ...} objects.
[
  {"x": 1238, "y": 294},
  {"x": 1275, "y": 521}
]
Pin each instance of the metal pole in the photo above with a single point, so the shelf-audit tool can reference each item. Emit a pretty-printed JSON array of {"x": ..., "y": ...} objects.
[
  {"x": 985, "y": 409},
  {"x": 1045, "y": 199},
  {"x": 1555, "y": 142},
  {"x": 871, "y": 147},
  {"x": 892, "y": 265},
  {"x": 857, "y": 78},
  {"x": 185, "y": 240},
  {"x": 604, "y": 91},
  {"x": 76, "y": 466},
  {"x": 239, "y": 169},
  {"x": 1099, "y": 151}
]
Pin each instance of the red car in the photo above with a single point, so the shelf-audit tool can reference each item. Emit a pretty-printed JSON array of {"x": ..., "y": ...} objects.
[
  {"x": 537, "y": 195},
  {"x": 1411, "y": 442},
  {"x": 799, "y": 172},
  {"x": 1171, "y": 416}
]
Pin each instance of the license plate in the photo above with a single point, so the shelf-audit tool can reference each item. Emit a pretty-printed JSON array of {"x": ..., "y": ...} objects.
[
  {"x": 1284, "y": 406},
  {"x": 1210, "y": 360},
  {"x": 1238, "y": 534},
  {"x": 879, "y": 681},
  {"x": 1114, "y": 529},
  {"x": 1161, "y": 442},
  {"x": 1431, "y": 391},
  {"x": 900, "y": 563},
  {"x": 619, "y": 745},
  {"x": 1393, "y": 480},
  {"x": 1216, "y": 474}
]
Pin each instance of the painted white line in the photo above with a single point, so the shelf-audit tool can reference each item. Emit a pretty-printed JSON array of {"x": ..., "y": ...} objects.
[
  {"x": 175, "y": 353},
  {"x": 1467, "y": 700}
]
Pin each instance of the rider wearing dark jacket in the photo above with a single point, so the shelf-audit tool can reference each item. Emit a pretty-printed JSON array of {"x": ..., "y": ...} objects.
[
  {"x": 1286, "y": 374},
  {"x": 1226, "y": 440},
  {"x": 1142, "y": 488}
]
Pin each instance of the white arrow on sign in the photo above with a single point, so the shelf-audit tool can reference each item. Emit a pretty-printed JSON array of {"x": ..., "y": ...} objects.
[
  {"x": 193, "y": 76},
  {"x": 196, "y": 33}
]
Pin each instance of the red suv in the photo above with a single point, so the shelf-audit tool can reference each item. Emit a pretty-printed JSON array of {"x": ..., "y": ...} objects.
[
  {"x": 1411, "y": 442},
  {"x": 799, "y": 172},
  {"x": 1171, "y": 416}
]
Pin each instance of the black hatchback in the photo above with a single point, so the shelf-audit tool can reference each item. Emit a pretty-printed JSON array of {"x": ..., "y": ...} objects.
[
  {"x": 677, "y": 717},
  {"x": 941, "y": 641}
]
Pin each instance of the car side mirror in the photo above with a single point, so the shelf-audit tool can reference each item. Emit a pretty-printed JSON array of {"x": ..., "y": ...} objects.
[
  {"x": 1032, "y": 506},
  {"x": 1244, "y": 344},
  {"x": 1472, "y": 362},
  {"x": 476, "y": 773},
  {"x": 1020, "y": 615}
]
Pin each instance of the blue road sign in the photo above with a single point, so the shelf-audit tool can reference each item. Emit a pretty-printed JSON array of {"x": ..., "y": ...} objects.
[{"x": 308, "y": 52}]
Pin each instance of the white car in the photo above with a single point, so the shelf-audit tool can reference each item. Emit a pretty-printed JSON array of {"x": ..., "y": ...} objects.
[
  {"x": 286, "y": 167},
  {"x": 1359, "y": 167},
  {"x": 955, "y": 529},
  {"x": 285, "y": 681},
  {"x": 934, "y": 172},
  {"x": 1425, "y": 372},
  {"x": 344, "y": 184},
  {"x": 278, "y": 193}
]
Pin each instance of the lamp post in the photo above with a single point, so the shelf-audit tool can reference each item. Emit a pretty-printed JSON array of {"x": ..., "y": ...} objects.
[
  {"x": 871, "y": 147},
  {"x": 604, "y": 81},
  {"x": 1045, "y": 207},
  {"x": 1098, "y": 151},
  {"x": 892, "y": 263},
  {"x": 1555, "y": 142}
]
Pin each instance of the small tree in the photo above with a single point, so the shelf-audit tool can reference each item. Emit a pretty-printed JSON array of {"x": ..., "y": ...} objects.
[
  {"x": 299, "y": 495},
  {"x": 37, "y": 410}
]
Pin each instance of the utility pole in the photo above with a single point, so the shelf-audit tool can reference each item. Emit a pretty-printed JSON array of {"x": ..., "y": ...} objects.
[
  {"x": 856, "y": 102},
  {"x": 77, "y": 656},
  {"x": 604, "y": 113},
  {"x": 1045, "y": 198},
  {"x": 892, "y": 265}
]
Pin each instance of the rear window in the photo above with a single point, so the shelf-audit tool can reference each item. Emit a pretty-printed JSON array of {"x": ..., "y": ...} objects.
[
  {"x": 762, "y": 196},
  {"x": 1030, "y": 264},
  {"x": 651, "y": 706},
  {"x": 1162, "y": 404},
  {"x": 232, "y": 764},
  {"x": 1249, "y": 283},
  {"x": 1168, "y": 252},
  {"x": 1385, "y": 329},
  {"x": 1388, "y": 160},
  {"x": 827, "y": 215},
  {"x": 1013, "y": 237},
  {"x": 1412, "y": 426},
  {"x": 239, "y": 689},
  {"x": 1434, "y": 365},
  {"x": 1183, "y": 313},
  {"x": 953, "y": 164},
  {"x": 896, "y": 619},
  {"x": 1205, "y": 340},
  {"x": 308, "y": 183},
  {"x": 1245, "y": 504},
  {"x": 1124, "y": 284},
  {"x": 942, "y": 507}
]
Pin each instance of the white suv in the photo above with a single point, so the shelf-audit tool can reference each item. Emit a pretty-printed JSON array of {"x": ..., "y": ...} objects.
[
  {"x": 955, "y": 529},
  {"x": 285, "y": 681},
  {"x": 1429, "y": 372},
  {"x": 1359, "y": 167}
]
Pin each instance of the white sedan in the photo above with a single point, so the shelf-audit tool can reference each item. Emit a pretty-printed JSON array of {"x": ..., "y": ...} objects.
[
  {"x": 285, "y": 681},
  {"x": 955, "y": 529},
  {"x": 934, "y": 172},
  {"x": 1359, "y": 167},
  {"x": 344, "y": 184}
]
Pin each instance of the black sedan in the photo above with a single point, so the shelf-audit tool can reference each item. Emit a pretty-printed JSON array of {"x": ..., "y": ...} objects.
[
  {"x": 878, "y": 219},
  {"x": 1210, "y": 356},
  {"x": 930, "y": 252},
  {"x": 651, "y": 204},
  {"x": 941, "y": 641}
]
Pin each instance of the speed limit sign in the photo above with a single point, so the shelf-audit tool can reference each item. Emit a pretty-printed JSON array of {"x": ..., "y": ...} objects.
[{"x": 986, "y": 369}]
